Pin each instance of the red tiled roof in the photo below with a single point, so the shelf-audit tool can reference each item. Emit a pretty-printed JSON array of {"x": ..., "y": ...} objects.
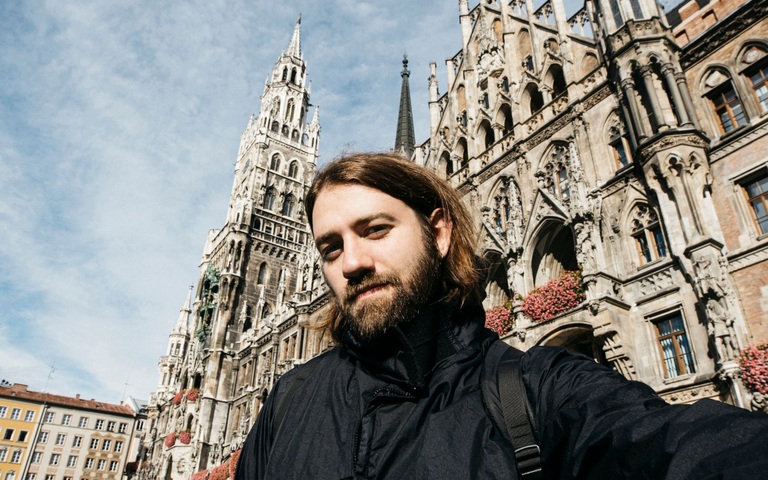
[{"x": 20, "y": 391}]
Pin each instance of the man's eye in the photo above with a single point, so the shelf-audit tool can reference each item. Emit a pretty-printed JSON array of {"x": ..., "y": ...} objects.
[
  {"x": 377, "y": 231},
  {"x": 331, "y": 252}
]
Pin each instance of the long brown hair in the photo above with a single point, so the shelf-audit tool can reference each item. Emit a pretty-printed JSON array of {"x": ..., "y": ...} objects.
[{"x": 423, "y": 191}]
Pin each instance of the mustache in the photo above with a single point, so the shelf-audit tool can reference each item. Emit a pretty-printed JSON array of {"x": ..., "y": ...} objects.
[{"x": 368, "y": 282}]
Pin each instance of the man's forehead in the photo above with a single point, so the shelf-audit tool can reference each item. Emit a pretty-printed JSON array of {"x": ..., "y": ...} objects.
[{"x": 352, "y": 201}]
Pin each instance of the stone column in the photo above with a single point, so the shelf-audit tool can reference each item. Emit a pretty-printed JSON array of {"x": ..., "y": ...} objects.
[
  {"x": 683, "y": 89},
  {"x": 628, "y": 87},
  {"x": 669, "y": 76},
  {"x": 647, "y": 73}
]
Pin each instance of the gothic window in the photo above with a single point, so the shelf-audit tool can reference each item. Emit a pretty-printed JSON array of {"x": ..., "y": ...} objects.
[
  {"x": 555, "y": 174},
  {"x": 505, "y": 84},
  {"x": 285, "y": 132},
  {"x": 674, "y": 348},
  {"x": 289, "y": 111},
  {"x": 618, "y": 21},
  {"x": 620, "y": 148},
  {"x": 304, "y": 139},
  {"x": 276, "y": 109},
  {"x": 274, "y": 164},
  {"x": 535, "y": 99},
  {"x": 487, "y": 134},
  {"x": 293, "y": 170},
  {"x": 648, "y": 236},
  {"x": 757, "y": 72},
  {"x": 636, "y": 10},
  {"x": 285, "y": 73},
  {"x": 269, "y": 199},
  {"x": 725, "y": 103},
  {"x": 445, "y": 164},
  {"x": 275, "y": 126},
  {"x": 265, "y": 311},
  {"x": 557, "y": 80},
  {"x": 295, "y": 136},
  {"x": 293, "y": 76},
  {"x": 262, "y": 276},
  {"x": 461, "y": 98},
  {"x": 528, "y": 63},
  {"x": 255, "y": 223},
  {"x": 757, "y": 194},
  {"x": 485, "y": 102},
  {"x": 561, "y": 185},
  {"x": 288, "y": 205},
  {"x": 506, "y": 111},
  {"x": 461, "y": 151}
]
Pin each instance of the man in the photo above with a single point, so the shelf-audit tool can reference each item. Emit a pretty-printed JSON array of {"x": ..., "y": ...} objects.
[{"x": 400, "y": 396}]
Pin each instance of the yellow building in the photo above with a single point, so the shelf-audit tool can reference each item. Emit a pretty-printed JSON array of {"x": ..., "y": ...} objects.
[{"x": 19, "y": 421}]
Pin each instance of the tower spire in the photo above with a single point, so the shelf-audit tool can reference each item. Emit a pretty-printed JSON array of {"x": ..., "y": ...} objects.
[
  {"x": 405, "y": 139},
  {"x": 294, "y": 48}
]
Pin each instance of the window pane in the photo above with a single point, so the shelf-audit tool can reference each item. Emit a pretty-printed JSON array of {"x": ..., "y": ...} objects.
[{"x": 668, "y": 347}]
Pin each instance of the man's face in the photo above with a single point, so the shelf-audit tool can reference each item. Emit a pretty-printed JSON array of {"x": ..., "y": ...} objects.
[{"x": 379, "y": 258}]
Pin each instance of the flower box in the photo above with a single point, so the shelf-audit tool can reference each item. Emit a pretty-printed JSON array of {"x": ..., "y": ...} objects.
[
  {"x": 170, "y": 440},
  {"x": 192, "y": 394},
  {"x": 185, "y": 437},
  {"x": 554, "y": 297},
  {"x": 178, "y": 397},
  {"x": 753, "y": 363},
  {"x": 499, "y": 319}
]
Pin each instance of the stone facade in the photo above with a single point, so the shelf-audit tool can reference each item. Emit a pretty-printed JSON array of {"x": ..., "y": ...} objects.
[{"x": 610, "y": 141}]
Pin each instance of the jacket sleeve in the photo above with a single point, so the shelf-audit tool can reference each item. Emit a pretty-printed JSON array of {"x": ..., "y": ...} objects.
[{"x": 592, "y": 423}]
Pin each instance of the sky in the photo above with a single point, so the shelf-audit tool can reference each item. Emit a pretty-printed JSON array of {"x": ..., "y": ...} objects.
[{"x": 120, "y": 123}]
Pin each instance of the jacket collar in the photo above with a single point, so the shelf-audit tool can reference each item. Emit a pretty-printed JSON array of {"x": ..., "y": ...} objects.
[{"x": 407, "y": 354}]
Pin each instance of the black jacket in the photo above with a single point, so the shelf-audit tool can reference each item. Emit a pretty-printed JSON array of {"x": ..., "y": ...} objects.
[{"x": 411, "y": 407}]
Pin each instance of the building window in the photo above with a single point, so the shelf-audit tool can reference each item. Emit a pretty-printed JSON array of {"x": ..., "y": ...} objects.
[
  {"x": 122, "y": 427},
  {"x": 43, "y": 437},
  {"x": 759, "y": 81},
  {"x": 140, "y": 425},
  {"x": 118, "y": 446},
  {"x": 293, "y": 170},
  {"x": 31, "y": 476},
  {"x": 36, "y": 457},
  {"x": 676, "y": 356},
  {"x": 269, "y": 199},
  {"x": 16, "y": 456},
  {"x": 113, "y": 466},
  {"x": 15, "y": 414},
  {"x": 274, "y": 163},
  {"x": 23, "y": 436},
  {"x": 49, "y": 417},
  {"x": 727, "y": 107},
  {"x": 49, "y": 477},
  {"x": 649, "y": 239},
  {"x": 66, "y": 419},
  {"x": 55, "y": 459},
  {"x": 29, "y": 416},
  {"x": 288, "y": 204},
  {"x": 757, "y": 196},
  {"x": 72, "y": 461},
  {"x": 11, "y": 475},
  {"x": 99, "y": 424},
  {"x": 106, "y": 445},
  {"x": 83, "y": 422},
  {"x": 60, "y": 439},
  {"x": 620, "y": 148},
  {"x": 102, "y": 463},
  {"x": 8, "y": 435},
  {"x": 77, "y": 441},
  {"x": 562, "y": 186},
  {"x": 3, "y": 411},
  {"x": 88, "y": 463},
  {"x": 3, "y": 455},
  {"x": 110, "y": 426}
]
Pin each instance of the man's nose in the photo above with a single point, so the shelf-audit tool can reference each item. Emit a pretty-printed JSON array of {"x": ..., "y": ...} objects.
[{"x": 357, "y": 260}]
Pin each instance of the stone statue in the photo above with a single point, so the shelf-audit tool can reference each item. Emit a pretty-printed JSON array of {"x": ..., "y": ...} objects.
[{"x": 720, "y": 327}]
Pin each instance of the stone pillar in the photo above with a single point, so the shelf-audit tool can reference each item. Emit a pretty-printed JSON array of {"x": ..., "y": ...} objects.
[
  {"x": 683, "y": 89},
  {"x": 628, "y": 87},
  {"x": 647, "y": 73},
  {"x": 669, "y": 76}
]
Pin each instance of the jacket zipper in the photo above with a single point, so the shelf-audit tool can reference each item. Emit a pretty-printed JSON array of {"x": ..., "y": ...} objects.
[{"x": 356, "y": 452}]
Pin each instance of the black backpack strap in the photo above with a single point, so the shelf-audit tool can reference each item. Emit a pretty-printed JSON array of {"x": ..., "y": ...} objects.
[
  {"x": 514, "y": 406},
  {"x": 304, "y": 372}
]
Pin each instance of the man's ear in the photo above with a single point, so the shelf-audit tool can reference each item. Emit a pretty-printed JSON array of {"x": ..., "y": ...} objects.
[{"x": 441, "y": 229}]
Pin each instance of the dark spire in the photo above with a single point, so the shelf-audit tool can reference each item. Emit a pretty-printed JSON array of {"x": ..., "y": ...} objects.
[{"x": 405, "y": 138}]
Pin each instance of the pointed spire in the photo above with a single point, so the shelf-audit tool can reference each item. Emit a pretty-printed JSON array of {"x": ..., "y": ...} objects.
[
  {"x": 294, "y": 49},
  {"x": 316, "y": 116},
  {"x": 405, "y": 138},
  {"x": 182, "y": 325}
]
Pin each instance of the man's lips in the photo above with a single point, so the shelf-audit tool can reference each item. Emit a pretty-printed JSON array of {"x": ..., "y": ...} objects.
[{"x": 361, "y": 293}]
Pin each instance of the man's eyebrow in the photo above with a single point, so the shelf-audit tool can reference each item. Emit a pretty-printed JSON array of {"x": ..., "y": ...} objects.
[{"x": 361, "y": 221}]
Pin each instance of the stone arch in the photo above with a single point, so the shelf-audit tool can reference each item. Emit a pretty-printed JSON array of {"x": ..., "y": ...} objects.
[
  {"x": 578, "y": 338},
  {"x": 589, "y": 62},
  {"x": 505, "y": 119},
  {"x": 555, "y": 79},
  {"x": 532, "y": 99},
  {"x": 485, "y": 132},
  {"x": 445, "y": 165},
  {"x": 552, "y": 251},
  {"x": 462, "y": 152},
  {"x": 495, "y": 281}
]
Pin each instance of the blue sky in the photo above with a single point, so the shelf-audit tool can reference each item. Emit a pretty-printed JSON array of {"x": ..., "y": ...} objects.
[{"x": 119, "y": 128}]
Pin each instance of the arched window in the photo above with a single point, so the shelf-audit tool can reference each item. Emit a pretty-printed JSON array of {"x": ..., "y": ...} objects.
[
  {"x": 262, "y": 277},
  {"x": 724, "y": 101},
  {"x": 289, "y": 111},
  {"x": 620, "y": 147},
  {"x": 755, "y": 63},
  {"x": 285, "y": 73},
  {"x": 556, "y": 80},
  {"x": 275, "y": 126},
  {"x": 293, "y": 169},
  {"x": 255, "y": 222},
  {"x": 505, "y": 118},
  {"x": 488, "y": 135},
  {"x": 304, "y": 139},
  {"x": 446, "y": 166},
  {"x": 649, "y": 239},
  {"x": 269, "y": 199},
  {"x": 288, "y": 205},
  {"x": 535, "y": 99},
  {"x": 293, "y": 75},
  {"x": 461, "y": 151},
  {"x": 285, "y": 131},
  {"x": 274, "y": 164},
  {"x": 295, "y": 136},
  {"x": 276, "y": 108},
  {"x": 265, "y": 311}
]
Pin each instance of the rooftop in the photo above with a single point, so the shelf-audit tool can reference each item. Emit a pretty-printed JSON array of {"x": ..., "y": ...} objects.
[{"x": 21, "y": 392}]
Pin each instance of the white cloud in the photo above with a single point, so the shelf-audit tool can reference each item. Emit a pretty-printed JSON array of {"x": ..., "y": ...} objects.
[{"x": 119, "y": 126}]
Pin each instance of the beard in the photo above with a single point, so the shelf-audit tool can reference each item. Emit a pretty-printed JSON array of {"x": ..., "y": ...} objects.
[{"x": 406, "y": 296}]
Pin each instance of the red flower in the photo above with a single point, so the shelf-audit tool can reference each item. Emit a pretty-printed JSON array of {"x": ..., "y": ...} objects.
[
  {"x": 192, "y": 394},
  {"x": 177, "y": 398},
  {"x": 170, "y": 440},
  {"x": 199, "y": 475},
  {"x": 499, "y": 318},
  {"x": 219, "y": 473},
  {"x": 185, "y": 437},
  {"x": 554, "y": 297},
  {"x": 753, "y": 362},
  {"x": 233, "y": 462}
]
